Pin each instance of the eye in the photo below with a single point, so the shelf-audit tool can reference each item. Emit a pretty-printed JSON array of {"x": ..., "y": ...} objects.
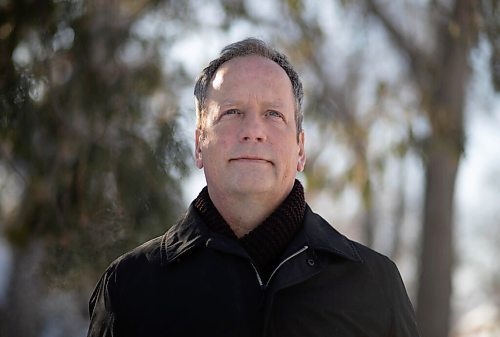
[
  {"x": 275, "y": 114},
  {"x": 231, "y": 112}
]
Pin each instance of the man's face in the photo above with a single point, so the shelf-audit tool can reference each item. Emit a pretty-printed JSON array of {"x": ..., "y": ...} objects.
[{"x": 249, "y": 142}]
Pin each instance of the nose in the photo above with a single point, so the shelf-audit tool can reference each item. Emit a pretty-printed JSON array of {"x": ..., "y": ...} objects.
[{"x": 252, "y": 129}]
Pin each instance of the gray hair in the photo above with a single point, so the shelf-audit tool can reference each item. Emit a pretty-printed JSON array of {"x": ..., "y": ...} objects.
[{"x": 249, "y": 46}]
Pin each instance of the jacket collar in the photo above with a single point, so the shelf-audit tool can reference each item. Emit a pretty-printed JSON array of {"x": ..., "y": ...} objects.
[
  {"x": 187, "y": 234},
  {"x": 320, "y": 235},
  {"x": 191, "y": 232}
]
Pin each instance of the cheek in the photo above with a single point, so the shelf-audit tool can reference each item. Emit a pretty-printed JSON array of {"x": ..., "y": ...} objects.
[
  {"x": 289, "y": 156},
  {"x": 215, "y": 147},
  {"x": 222, "y": 141}
]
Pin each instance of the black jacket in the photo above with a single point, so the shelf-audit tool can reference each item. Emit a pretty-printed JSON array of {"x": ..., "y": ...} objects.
[{"x": 193, "y": 282}]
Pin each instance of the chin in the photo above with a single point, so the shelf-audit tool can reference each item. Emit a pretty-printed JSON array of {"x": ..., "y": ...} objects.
[{"x": 253, "y": 186}]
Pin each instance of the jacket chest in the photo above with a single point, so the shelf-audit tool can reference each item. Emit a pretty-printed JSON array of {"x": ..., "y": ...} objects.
[{"x": 221, "y": 294}]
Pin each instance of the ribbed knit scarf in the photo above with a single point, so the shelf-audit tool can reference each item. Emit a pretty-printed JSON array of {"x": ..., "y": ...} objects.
[{"x": 267, "y": 242}]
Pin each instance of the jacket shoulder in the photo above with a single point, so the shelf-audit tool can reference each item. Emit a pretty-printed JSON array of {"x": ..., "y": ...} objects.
[
  {"x": 371, "y": 256},
  {"x": 147, "y": 253},
  {"x": 386, "y": 275},
  {"x": 128, "y": 264},
  {"x": 378, "y": 267},
  {"x": 382, "y": 271},
  {"x": 324, "y": 236}
]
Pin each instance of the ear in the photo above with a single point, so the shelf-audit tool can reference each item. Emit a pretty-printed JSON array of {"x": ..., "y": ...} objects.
[
  {"x": 197, "y": 148},
  {"x": 302, "y": 154}
]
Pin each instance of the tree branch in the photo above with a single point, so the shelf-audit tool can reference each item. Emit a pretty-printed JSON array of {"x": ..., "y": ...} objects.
[{"x": 419, "y": 61}]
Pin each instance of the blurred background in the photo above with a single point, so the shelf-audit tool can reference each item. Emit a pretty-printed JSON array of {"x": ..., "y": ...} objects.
[{"x": 97, "y": 118}]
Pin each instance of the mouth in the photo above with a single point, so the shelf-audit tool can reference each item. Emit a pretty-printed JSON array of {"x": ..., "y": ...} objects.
[{"x": 250, "y": 159}]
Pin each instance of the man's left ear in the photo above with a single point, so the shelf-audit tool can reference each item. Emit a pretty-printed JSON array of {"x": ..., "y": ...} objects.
[{"x": 301, "y": 163}]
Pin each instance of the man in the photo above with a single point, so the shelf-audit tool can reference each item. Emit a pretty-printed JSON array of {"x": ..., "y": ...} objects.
[{"x": 250, "y": 258}]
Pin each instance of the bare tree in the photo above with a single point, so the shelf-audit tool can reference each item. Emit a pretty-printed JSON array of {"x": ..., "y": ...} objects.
[{"x": 441, "y": 77}]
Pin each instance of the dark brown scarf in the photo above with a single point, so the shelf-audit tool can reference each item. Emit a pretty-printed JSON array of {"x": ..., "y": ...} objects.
[{"x": 267, "y": 242}]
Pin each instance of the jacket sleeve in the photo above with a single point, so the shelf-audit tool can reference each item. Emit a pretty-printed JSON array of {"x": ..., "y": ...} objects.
[
  {"x": 102, "y": 307},
  {"x": 404, "y": 322}
]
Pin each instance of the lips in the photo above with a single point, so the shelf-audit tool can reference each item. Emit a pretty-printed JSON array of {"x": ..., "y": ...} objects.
[{"x": 251, "y": 159}]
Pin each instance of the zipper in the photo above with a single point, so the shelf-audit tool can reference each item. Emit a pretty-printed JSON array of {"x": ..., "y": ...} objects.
[
  {"x": 257, "y": 273},
  {"x": 259, "y": 279}
]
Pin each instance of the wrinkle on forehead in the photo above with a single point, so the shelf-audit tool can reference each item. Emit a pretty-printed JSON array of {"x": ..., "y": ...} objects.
[{"x": 247, "y": 79}]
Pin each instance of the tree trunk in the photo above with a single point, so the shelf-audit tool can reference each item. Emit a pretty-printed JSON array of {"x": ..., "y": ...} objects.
[
  {"x": 435, "y": 286},
  {"x": 445, "y": 100},
  {"x": 20, "y": 315},
  {"x": 399, "y": 214}
]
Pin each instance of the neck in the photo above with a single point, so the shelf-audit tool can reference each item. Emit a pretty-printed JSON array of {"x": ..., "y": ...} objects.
[{"x": 243, "y": 213}]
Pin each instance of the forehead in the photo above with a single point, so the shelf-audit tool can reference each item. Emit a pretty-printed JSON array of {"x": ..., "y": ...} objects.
[{"x": 249, "y": 70}]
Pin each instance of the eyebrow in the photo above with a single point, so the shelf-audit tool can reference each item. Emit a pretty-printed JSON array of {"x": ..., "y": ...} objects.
[{"x": 228, "y": 103}]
